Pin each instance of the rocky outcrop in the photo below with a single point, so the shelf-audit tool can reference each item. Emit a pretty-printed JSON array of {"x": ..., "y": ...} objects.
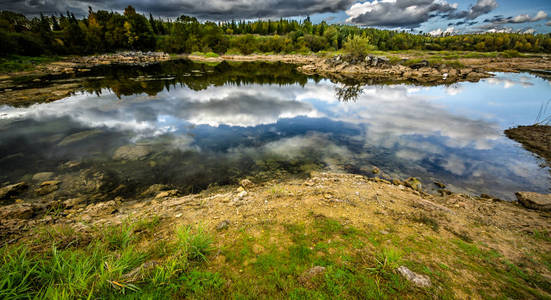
[
  {"x": 535, "y": 200},
  {"x": 382, "y": 69}
]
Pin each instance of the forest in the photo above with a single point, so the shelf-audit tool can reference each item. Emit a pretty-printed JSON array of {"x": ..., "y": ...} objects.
[{"x": 103, "y": 31}]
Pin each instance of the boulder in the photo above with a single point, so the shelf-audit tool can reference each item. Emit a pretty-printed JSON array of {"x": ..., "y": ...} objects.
[
  {"x": 418, "y": 280},
  {"x": 12, "y": 190},
  {"x": 535, "y": 200}
]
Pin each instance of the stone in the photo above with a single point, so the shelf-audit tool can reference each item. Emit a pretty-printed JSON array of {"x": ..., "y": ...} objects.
[
  {"x": 376, "y": 171},
  {"x": 77, "y": 137},
  {"x": 132, "y": 152},
  {"x": 535, "y": 200},
  {"x": 23, "y": 211},
  {"x": 307, "y": 278},
  {"x": 242, "y": 194},
  {"x": 166, "y": 194},
  {"x": 223, "y": 225},
  {"x": 154, "y": 190},
  {"x": 439, "y": 184},
  {"x": 47, "y": 187},
  {"x": 70, "y": 203},
  {"x": 12, "y": 190},
  {"x": 413, "y": 183},
  {"x": 418, "y": 280},
  {"x": 246, "y": 183},
  {"x": 43, "y": 176}
]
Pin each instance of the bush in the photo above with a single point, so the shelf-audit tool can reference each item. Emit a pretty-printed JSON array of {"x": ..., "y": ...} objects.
[{"x": 357, "y": 46}]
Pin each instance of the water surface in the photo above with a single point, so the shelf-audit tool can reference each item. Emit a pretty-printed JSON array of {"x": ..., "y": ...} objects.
[{"x": 194, "y": 125}]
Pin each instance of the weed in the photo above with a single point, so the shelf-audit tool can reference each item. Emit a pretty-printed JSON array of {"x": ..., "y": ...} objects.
[
  {"x": 195, "y": 245},
  {"x": 432, "y": 223}
]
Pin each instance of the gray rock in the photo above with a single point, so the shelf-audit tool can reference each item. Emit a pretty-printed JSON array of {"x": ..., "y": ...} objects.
[
  {"x": 223, "y": 225},
  {"x": 534, "y": 200},
  {"x": 419, "y": 280}
]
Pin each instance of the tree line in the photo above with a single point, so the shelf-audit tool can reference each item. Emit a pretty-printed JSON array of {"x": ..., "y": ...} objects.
[{"x": 103, "y": 31}]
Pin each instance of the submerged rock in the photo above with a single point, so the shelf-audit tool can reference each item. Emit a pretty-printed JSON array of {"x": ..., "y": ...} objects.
[
  {"x": 47, "y": 187},
  {"x": 535, "y": 200},
  {"x": 43, "y": 176},
  {"x": 77, "y": 137},
  {"x": 417, "y": 279},
  {"x": 12, "y": 190}
]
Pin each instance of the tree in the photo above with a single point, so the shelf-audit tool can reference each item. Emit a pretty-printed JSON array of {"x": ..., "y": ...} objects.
[{"x": 357, "y": 46}]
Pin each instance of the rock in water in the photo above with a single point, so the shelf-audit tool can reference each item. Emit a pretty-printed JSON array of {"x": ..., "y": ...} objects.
[
  {"x": 12, "y": 190},
  {"x": 43, "y": 176},
  {"x": 417, "y": 279},
  {"x": 535, "y": 200}
]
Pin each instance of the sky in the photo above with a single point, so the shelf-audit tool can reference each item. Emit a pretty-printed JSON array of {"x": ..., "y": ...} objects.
[{"x": 429, "y": 16}]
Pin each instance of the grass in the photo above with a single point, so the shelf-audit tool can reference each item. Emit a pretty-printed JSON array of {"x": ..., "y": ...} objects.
[
  {"x": 17, "y": 63},
  {"x": 269, "y": 260}
]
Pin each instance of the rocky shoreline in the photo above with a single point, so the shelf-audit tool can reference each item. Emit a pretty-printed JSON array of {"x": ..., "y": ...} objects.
[
  {"x": 61, "y": 79},
  {"x": 385, "y": 210},
  {"x": 381, "y": 69}
]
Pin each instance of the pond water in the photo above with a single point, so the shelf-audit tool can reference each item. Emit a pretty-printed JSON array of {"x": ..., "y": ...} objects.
[{"x": 195, "y": 125}]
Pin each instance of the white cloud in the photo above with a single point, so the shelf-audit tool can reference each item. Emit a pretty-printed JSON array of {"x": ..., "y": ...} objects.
[{"x": 439, "y": 31}]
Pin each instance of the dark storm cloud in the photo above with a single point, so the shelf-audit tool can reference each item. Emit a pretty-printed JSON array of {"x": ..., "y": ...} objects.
[
  {"x": 211, "y": 9},
  {"x": 524, "y": 18},
  {"x": 410, "y": 13},
  {"x": 481, "y": 7}
]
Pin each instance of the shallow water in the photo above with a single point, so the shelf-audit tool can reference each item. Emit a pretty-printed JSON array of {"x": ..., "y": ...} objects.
[{"x": 194, "y": 125}]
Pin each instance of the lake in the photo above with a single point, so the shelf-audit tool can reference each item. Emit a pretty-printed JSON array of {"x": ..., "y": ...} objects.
[{"x": 191, "y": 126}]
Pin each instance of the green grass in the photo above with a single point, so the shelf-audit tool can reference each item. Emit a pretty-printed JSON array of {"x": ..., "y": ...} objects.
[
  {"x": 17, "y": 63},
  {"x": 129, "y": 261}
]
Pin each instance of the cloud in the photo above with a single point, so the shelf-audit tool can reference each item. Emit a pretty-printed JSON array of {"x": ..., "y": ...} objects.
[
  {"x": 480, "y": 8},
  {"x": 212, "y": 9},
  {"x": 524, "y": 18},
  {"x": 397, "y": 13},
  {"x": 439, "y": 31}
]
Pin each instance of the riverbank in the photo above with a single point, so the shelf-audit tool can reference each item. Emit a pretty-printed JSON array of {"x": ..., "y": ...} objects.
[
  {"x": 534, "y": 138},
  {"x": 325, "y": 236}
]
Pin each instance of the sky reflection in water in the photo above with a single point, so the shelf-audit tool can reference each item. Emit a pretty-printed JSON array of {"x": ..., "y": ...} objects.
[{"x": 453, "y": 134}]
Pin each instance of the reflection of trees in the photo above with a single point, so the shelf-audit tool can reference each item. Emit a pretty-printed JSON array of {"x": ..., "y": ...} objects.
[
  {"x": 128, "y": 80},
  {"x": 348, "y": 93}
]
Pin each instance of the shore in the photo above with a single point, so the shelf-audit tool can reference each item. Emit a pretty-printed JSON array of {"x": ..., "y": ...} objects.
[{"x": 301, "y": 236}]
